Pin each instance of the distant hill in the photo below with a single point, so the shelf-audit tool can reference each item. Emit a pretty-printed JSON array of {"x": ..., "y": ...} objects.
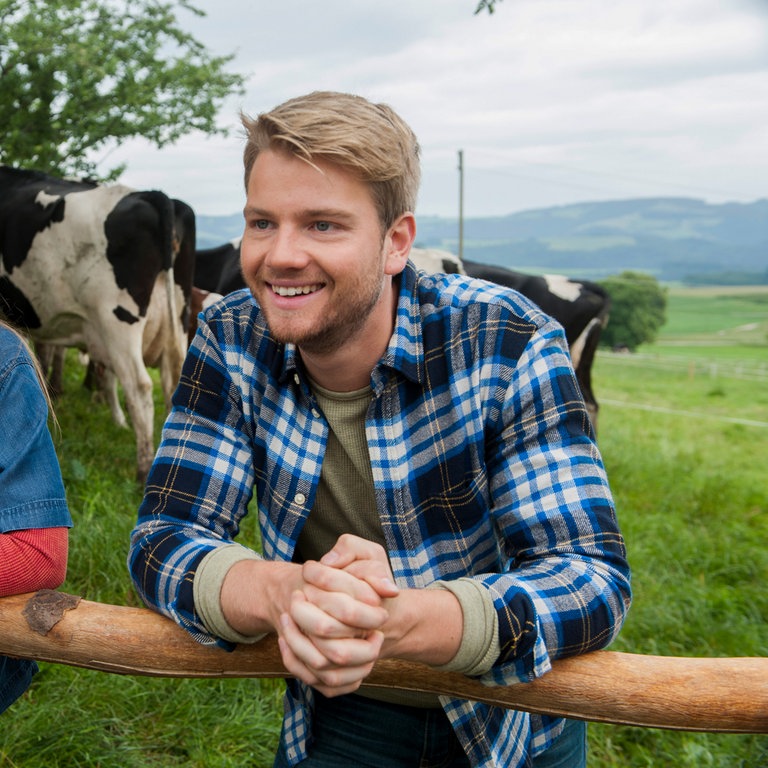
[{"x": 675, "y": 239}]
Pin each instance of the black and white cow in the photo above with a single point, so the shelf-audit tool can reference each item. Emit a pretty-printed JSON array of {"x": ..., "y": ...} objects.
[
  {"x": 92, "y": 266},
  {"x": 217, "y": 270},
  {"x": 580, "y": 307}
]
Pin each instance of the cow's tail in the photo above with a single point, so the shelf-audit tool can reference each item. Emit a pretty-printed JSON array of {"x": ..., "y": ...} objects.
[
  {"x": 590, "y": 339},
  {"x": 165, "y": 213}
]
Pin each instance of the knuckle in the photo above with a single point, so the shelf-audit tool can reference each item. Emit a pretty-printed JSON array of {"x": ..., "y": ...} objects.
[{"x": 338, "y": 657}]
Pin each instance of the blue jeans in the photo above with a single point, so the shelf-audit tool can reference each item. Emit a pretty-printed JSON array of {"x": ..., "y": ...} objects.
[
  {"x": 570, "y": 749},
  {"x": 15, "y": 677},
  {"x": 354, "y": 732}
]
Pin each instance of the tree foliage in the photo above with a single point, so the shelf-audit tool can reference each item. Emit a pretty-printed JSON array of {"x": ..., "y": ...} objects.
[
  {"x": 79, "y": 76},
  {"x": 638, "y": 309},
  {"x": 486, "y": 5}
]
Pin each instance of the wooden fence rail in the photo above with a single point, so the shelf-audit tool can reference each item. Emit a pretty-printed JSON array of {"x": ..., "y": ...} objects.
[{"x": 726, "y": 695}]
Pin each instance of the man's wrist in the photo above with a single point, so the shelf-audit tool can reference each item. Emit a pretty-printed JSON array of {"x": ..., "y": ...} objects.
[
  {"x": 207, "y": 587},
  {"x": 412, "y": 631},
  {"x": 479, "y": 647}
]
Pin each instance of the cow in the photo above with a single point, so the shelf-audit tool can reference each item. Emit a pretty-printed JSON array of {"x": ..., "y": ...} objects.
[
  {"x": 217, "y": 270},
  {"x": 103, "y": 268},
  {"x": 97, "y": 376},
  {"x": 581, "y": 307}
]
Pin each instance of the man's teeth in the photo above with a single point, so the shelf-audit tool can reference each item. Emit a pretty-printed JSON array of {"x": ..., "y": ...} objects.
[{"x": 300, "y": 290}]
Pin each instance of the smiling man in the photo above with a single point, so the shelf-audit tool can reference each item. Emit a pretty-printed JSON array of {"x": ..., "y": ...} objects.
[
  {"x": 427, "y": 481},
  {"x": 320, "y": 265}
]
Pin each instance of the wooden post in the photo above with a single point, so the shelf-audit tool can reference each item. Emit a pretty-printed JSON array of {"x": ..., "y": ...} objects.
[
  {"x": 727, "y": 695},
  {"x": 461, "y": 206}
]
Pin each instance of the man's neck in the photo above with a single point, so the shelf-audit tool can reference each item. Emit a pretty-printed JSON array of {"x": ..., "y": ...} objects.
[{"x": 349, "y": 367}]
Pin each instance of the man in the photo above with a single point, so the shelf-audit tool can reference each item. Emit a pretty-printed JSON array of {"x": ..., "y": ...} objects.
[{"x": 427, "y": 481}]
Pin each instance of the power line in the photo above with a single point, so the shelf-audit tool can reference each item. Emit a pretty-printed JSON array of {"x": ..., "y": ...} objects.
[{"x": 631, "y": 179}]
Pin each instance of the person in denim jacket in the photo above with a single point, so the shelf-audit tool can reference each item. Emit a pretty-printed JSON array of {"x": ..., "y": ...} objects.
[{"x": 34, "y": 516}]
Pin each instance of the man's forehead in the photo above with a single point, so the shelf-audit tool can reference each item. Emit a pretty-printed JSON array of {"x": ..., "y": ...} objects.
[{"x": 280, "y": 180}]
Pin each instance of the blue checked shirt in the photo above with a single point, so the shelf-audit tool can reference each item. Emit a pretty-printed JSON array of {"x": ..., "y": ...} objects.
[{"x": 484, "y": 465}]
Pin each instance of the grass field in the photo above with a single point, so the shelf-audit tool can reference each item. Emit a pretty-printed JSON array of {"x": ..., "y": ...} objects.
[{"x": 684, "y": 435}]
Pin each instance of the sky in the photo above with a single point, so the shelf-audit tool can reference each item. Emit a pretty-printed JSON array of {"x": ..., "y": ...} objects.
[{"x": 550, "y": 102}]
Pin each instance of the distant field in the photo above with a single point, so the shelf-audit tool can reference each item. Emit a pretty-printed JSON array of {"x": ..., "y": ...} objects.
[
  {"x": 718, "y": 316},
  {"x": 713, "y": 348}
]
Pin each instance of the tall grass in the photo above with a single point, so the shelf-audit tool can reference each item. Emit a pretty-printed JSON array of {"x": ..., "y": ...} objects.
[
  {"x": 691, "y": 491},
  {"x": 692, "y": 499},
  {"x": 689, "y": 473}
]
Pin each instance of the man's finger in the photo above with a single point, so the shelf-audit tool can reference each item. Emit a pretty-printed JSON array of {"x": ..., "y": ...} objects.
[
  {"x": 335, "y": 580},
  {"x": 334, "y": 614}
]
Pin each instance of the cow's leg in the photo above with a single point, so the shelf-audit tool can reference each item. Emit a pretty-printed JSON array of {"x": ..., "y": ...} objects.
[
  {"x": 137, "y": 386},
  {"x": 123, "y": 349},
  {"x": 56, "y": 376},
  {"x": 583, "y": 355},
  {"x": 108, "y": 385},
  {"x": 169, "y": 378},
  {"x": 51, "y": 357},
  {"x": 176, "y": 350},
  {"x": 102, "y": 381},
  {"x": 165, "y": 338}
]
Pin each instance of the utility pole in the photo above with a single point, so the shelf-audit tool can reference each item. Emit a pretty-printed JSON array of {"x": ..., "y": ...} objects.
[{"x": 461, "y": 205}]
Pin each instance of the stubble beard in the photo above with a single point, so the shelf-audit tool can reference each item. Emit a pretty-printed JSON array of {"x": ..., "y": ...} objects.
[{"x": 331, "y": 333}]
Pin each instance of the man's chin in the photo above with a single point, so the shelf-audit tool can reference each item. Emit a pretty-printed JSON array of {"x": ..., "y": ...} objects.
[
  {"x": 314, "y": 340},
  {"x": 318, "y": 343}
]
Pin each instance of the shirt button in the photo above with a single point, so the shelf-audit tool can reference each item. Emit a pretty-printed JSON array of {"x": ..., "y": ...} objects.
[
  {"x": 296, "y": 378},
  {"x": 300, "y": 499},
  {"x": 316, "y": 413}
]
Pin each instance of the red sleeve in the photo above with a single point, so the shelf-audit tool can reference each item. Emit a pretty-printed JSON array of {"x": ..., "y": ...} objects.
[{"x": 32, "y": 559}]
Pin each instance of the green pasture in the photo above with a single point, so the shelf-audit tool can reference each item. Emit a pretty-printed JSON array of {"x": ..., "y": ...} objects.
[
  {"x": 735, "y": 317},
  {"x": 684, "y": 433}
]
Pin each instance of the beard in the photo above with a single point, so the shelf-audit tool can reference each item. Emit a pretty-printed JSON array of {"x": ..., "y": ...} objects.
[
  {"x": 342, "y": 321},
  {"x": 335, "y": 331}
]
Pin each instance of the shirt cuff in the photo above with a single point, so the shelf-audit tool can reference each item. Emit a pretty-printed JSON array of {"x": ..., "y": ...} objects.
[
  {"x": 479, "y": 647},
  {"x": 206, "y": 590}
]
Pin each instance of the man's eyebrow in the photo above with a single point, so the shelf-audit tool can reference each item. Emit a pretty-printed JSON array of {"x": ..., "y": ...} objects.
[
  {"x": 309, "y": 213},
  {"x": 250, "y": 210},
  {"x": 328, "y": 213}
]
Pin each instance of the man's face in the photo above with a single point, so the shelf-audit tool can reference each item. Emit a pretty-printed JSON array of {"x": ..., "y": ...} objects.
[{"x": 313, "y": 252}]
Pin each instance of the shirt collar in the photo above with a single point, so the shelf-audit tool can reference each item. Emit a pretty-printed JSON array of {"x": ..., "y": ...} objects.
[{"x": 405, "y": 352}]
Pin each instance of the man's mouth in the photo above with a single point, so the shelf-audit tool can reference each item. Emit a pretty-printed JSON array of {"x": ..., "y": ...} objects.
[{"x": 295, "y": 290}]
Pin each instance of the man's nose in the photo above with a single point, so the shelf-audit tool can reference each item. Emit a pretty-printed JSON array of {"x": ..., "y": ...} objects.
[{"x": 286, "y": 250}]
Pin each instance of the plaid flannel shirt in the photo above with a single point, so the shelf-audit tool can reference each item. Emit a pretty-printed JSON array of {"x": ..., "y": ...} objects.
[{"x": 484, "y": 465}]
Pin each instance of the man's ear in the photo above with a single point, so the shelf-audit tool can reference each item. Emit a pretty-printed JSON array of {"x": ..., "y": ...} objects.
[{"x": 398, "y": 242}]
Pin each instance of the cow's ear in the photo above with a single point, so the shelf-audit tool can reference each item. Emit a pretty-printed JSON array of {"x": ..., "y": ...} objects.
[{"x": 398, "y": 242}]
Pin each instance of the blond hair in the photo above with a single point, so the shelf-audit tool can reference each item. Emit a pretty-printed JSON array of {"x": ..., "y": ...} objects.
[
  {"x": 368, "y": 139},
  {"x": 35, "y": 364}
]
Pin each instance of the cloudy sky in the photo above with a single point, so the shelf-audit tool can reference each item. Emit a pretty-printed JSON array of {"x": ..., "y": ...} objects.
[{"x": 551, "y": 101}]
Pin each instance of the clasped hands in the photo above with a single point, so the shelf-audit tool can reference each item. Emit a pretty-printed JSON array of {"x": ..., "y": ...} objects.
[{"x": 333, "y": 630}]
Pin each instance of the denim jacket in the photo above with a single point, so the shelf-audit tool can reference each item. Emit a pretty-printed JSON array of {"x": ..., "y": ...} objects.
[{"x": 31, "y": 486}]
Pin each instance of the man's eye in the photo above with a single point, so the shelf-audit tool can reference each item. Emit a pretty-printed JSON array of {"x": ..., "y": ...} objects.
[
  {"x": 261, "y": 224},
  {"x": 323, "y": 226}
]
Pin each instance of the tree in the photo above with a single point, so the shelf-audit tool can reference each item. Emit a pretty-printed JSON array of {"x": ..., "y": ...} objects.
[
  {"x": 638, "y": 309},
  {"x": 77, "y": 76},
  {"x": 486, "y": 5}
]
